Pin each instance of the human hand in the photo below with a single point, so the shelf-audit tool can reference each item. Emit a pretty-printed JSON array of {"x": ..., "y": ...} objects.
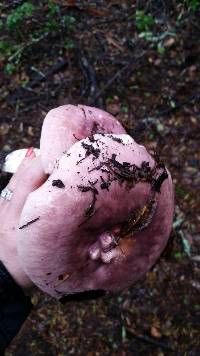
[{"x": 28, "y": 177}]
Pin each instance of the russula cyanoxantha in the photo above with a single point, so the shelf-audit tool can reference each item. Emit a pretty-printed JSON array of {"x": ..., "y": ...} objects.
[{"x": 104, "y": 215}]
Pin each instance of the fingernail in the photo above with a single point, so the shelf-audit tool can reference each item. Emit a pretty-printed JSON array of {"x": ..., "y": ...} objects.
[{"x": 30, "y": 153}]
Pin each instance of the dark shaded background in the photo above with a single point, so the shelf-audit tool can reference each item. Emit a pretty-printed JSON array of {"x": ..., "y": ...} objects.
[{"x": 145, "y": 71}]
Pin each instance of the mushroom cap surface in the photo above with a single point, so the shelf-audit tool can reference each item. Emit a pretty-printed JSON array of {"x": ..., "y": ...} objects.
[
  {"x": 101, "y": 219},
  {"x": 67, "y": 124}
]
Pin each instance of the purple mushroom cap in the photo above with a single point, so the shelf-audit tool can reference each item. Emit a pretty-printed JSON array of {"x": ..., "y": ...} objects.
[{"x": 103, "y": 216}]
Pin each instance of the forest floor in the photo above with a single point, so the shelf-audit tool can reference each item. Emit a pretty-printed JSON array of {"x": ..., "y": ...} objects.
[{"x": 144, "y": 69}]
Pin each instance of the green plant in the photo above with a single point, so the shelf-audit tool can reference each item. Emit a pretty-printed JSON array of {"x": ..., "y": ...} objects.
[
  {"x": 157, "y": 40},
  {"x": 17, "y": 15},
  {"x": 53, "y": 8},
  {"x": 12, "y": 53},
  {"x": 143, "y": 22},
  {"x": 186, "y": 244},
  {"x": 55, "y": 23},
  {"x": 69, "y": 22},
  {"x": 7, "y": 49},
  {"x": 178, "y": 256},
  {"x": 160, "y": 48},
  {"x": 9, "y": 68},
  {"x": 192, "y": 4},
  {"x": 51, "y": 25},
  {"x": 4, "y": 47},
  {"x": 14, "y": 48},
  {"x": 69, "y": 44}
]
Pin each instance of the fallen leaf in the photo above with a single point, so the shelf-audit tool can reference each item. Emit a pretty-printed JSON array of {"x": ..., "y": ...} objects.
[
  {"x": 196, "y": 258},
  {"x": 168, "y": 43},
  {"x": 4, "y": 129},
  {"x": 155, "y": 332},
  {"x": 30, "y": 131}
]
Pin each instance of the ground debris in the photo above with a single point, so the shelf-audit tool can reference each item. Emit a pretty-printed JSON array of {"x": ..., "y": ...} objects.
[{"x": 153, "y": 77}]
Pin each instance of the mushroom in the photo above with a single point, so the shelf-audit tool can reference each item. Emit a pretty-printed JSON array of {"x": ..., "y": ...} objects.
[
  {"x": 67, "y": 124},
  {"x": 103, "y": 216}
]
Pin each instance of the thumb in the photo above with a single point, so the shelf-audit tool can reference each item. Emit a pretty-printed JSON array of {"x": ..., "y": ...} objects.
[{"x": 29, "y": 176}]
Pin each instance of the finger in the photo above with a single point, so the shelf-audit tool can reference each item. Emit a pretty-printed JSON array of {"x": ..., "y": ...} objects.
[{"x": 29, "y": 176}]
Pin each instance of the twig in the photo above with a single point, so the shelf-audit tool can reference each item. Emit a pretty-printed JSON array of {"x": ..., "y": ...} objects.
[
  {"x": 54, "y": 69},
  {"x": 12, "y": 4},
  {"x": 19, "y": 52},
  {"x": 5, "y": 118},
  {"x": 168, "y": 111},
  {"x": 90, "y": 75},
  {"x": 101, "y": 40},
  {"x": 109, "y": 20},
  {"x": 88, "y": 71},
  {"x": 141, "y": 126},
  {"x": 118, "y": 75},
  {"x": 15, "y": 96},
  {"x": 149, "y": 340}
]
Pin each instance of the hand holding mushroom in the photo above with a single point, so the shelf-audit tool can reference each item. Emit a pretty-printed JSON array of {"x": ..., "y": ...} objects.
[{"x": 104, "y": 214}]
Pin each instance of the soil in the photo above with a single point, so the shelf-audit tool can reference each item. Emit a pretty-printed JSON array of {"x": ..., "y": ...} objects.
[{"x": 156, "y": 97}]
